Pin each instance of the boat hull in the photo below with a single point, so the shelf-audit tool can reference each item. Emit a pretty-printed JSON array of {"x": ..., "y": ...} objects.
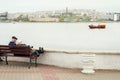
[{"x": 97, "y": 27}]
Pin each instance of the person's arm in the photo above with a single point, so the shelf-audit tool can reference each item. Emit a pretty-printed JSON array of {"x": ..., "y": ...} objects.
[{"x": 19, "y": 42}]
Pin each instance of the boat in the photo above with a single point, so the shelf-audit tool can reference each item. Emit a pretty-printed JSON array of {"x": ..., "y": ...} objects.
[{"x": 101, "y": 26}]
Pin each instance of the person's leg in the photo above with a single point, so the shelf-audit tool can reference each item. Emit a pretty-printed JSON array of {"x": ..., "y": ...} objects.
[
  {"x": 35, "y": 52},
  {"x": 0, "y": 59}
]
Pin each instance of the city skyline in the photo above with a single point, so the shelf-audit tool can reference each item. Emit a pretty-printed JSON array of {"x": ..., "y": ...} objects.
[{"x": 40, "y": 5}]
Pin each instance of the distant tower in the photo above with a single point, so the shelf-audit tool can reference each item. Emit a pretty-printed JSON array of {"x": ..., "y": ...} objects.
[{"x": 66, "y": 11}]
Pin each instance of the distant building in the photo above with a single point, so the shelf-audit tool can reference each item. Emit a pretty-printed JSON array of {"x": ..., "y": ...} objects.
[
  {"x": 44, "y": 19},
  {"x": 116, "y": 16},
  {"x": 3, "y": 16}
]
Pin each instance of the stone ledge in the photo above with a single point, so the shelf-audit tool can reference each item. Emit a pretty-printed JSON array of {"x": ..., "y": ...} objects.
[{"x": 110, "y": 52}]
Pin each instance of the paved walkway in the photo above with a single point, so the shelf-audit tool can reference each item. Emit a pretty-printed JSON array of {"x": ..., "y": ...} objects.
[{"x": 20, "y": 71}]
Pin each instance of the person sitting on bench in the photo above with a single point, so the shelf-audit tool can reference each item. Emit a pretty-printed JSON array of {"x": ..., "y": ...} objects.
[{"x": 13, "y": 41}]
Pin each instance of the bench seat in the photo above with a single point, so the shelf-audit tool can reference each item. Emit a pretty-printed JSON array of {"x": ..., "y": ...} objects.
[{"x": 17, "y": 51}]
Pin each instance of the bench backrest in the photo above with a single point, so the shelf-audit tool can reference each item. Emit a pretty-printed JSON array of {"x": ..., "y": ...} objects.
[
  {"x": 23, "y": 50},
  {"x": 4, "y": 49}
]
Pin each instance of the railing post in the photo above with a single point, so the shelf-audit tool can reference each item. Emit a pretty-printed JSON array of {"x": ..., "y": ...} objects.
[{"x": 88, "y": 61}]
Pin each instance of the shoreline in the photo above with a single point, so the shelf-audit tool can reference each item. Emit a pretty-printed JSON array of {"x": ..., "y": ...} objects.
[{"x": 66, "y": 22}]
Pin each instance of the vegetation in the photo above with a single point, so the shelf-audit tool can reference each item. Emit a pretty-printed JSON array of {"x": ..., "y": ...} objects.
[
  {"x": 70, "y": 17},
  {"x": 22, "y": 18},
  {"x": 61, "y": 18}
]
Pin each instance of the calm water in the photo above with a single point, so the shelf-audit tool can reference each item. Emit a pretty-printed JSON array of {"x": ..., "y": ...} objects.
[{"x": 69, "y": 36}]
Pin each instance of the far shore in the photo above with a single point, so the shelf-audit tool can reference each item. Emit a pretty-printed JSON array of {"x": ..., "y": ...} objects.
[{"x": 67, "y": 22}]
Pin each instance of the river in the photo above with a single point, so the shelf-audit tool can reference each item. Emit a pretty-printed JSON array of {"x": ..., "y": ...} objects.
[{"x": 63, "y": 36}]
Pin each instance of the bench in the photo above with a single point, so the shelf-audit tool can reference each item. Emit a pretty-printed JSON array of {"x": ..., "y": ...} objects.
[{"x": 17, "y": 51}]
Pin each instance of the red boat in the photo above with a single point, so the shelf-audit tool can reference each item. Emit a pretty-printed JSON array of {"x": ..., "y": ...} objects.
[{"x": 97, "y": 27}]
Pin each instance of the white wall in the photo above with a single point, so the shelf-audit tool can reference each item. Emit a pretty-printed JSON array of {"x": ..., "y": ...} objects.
[
  {"x": 75, "y": 60},
  {"x": 107, "y": 62}
]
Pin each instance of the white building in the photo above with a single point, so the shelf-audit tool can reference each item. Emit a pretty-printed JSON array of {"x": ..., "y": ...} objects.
[{"x": 116, "y": 16}]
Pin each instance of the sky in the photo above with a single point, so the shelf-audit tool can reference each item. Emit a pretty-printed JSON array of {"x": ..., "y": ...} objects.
[{"x": 43, "y": 5}]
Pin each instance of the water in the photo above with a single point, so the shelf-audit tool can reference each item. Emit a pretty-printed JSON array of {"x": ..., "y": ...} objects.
[{"x": 64, "y": 36}]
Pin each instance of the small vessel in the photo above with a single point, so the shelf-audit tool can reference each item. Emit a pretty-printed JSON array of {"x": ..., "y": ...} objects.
[{"x": 101, "y": 26}]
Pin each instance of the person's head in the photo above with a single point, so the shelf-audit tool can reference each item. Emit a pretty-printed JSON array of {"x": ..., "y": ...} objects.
[{"x": 14, "y": 39}]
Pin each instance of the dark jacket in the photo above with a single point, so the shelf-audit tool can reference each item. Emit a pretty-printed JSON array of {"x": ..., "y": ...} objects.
[{"x": 12, "y": 44}]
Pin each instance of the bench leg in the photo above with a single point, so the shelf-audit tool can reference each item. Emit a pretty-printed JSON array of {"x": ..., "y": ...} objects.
[
  {"x": 30, "y": 63},
  {"x": 36, "y": 62},
  {"x": 6, "y": 60}
]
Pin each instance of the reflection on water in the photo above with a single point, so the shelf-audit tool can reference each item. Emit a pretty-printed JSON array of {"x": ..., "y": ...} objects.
[{"x": 69, "y": 36}]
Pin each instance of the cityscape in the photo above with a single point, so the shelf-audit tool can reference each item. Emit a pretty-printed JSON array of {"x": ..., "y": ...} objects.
[
  {"x": 65, "y": 15},
  {"x": 60, "y": 40}
]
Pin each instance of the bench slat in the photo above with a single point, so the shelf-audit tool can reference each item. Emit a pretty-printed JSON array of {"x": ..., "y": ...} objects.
[{"x": 17, "y": 51}]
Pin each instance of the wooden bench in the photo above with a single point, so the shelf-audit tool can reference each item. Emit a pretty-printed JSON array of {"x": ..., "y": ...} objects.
[{"x": 18, "y": 51}]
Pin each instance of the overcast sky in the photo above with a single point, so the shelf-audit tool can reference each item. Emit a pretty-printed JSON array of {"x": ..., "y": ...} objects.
[{"x": 41, "y": 5}]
